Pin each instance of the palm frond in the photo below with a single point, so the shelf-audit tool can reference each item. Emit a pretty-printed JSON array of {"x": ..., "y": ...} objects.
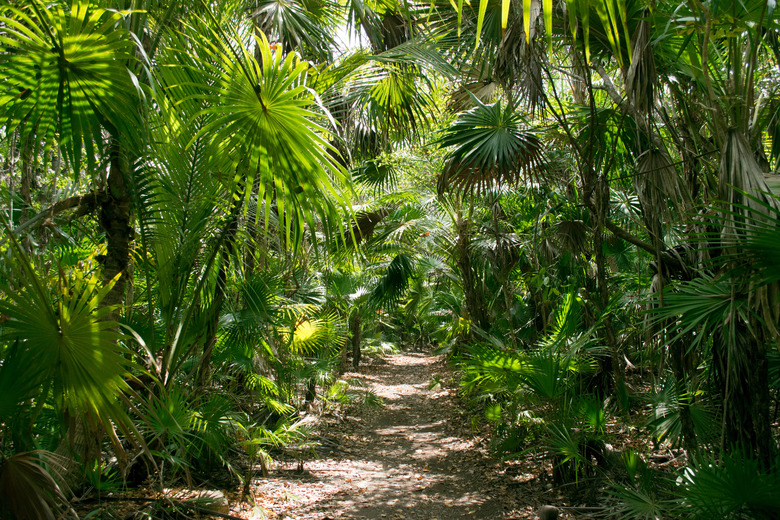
[
  {"x": 366, "y": 222},
  {"x": 376, "y": 175},
  {"x": 28, "y": 489},
  {"x": 66, "y": 76},
  {"x": 734, "y": 487},
  {"x": 63, "y": 345},
  {"x": 258, "y": 119},
  {"x": 391, "y": 287},
  {"x": 491, "y": 147},
  {"x": 659, "y": 189},
  {"x": 295, "y": 27},
  {"x": 741, "y": 181},
  {"x": 642, "y": 77}
]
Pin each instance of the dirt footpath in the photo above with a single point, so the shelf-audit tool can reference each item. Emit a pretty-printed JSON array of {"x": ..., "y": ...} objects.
[{"x": 416, "y": 458}]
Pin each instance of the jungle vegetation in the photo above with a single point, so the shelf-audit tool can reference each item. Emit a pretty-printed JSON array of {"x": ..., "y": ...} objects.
[{"x": 209, "y": 209}]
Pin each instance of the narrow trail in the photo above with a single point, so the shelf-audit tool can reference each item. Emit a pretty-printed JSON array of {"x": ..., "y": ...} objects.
[{"x": 415, "y": 459}]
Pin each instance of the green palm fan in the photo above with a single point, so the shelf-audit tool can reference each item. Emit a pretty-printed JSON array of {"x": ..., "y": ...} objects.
[
  {"x": 736, "y": 486},
  {"x": 491, "y": 146},
  {"x": 65, "y": 77},
  {"x": 298, "y": 27},
  {"x": 61, "y": 346},
  {"x": 59, "y": 351},
  {"x": 258, "y": 118}
]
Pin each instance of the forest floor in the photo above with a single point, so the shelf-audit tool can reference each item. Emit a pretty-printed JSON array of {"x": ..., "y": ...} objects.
[{"x": 415, "y": 458}]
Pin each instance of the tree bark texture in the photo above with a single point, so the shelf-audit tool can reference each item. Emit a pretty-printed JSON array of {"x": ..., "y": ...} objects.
[
  {"x": 742, "y": 376},
  {"x": 115, "y": 218},
  {"x": 475, "y": 303},
  {"x": 355, "y": 328}
]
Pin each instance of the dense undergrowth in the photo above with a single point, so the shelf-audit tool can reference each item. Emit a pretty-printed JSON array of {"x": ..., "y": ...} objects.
[{"x": 210, "y": 209}]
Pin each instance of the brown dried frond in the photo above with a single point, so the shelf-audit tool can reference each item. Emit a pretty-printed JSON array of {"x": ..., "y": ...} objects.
[
  {"x": 642, "y": 78},
  {"x": 365, "y": 222},
  {"x": 520, "y": 61}
]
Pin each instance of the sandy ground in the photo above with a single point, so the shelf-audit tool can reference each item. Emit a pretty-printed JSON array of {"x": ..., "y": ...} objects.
[{"x": 415, "y": 458}]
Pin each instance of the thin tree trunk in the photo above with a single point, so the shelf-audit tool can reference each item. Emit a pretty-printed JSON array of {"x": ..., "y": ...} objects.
[
  {"x": 475, "y": 304},
  {"x": 115, "y": 218},
  {"x": 10, "y": 168},
  {"x": 28, "y": 177},
  {"x": 204, "y": 365},
  {"x": 355, "y": 326},
  {"x": 678, "y": 362}
]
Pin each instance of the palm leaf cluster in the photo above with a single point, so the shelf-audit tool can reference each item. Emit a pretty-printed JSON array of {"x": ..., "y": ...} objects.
[
  {"x": 490, "y": 148},
  {"x": 208, "y": 209}
]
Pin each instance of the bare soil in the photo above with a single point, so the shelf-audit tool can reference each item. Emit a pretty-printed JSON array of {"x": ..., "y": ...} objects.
[{"x": 415, "y": 458}]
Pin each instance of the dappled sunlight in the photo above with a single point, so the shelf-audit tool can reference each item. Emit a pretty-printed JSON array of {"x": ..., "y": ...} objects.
[{"x": 406, "y": 460}]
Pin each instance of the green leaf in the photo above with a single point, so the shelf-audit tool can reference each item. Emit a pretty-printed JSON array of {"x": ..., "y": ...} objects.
[
  {"x": 483, "y": 4},
  {"x": 504, "y": 14},
  {"x": 526, "y": 19},
  {"x": 547, "y": 8},
  {"x": 66, "y": 78}
]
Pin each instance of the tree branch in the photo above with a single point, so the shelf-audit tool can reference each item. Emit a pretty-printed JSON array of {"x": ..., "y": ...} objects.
[
  {"x": 85, "y": 204},
  {"x": 641, "y": 244}
]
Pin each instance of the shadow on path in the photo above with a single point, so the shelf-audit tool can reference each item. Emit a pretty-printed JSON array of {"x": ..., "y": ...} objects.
[{"x": 413, "y": 459}]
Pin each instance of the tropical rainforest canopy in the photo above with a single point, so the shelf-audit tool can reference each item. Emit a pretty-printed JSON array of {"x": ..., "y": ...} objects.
[{"x": 208, "y": 208}]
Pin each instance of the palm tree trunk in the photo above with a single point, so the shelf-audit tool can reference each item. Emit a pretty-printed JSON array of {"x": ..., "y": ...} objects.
[
  {"x": 599, "y": 210},
  {"x": 28, "y": 177},
  {"x": 742, "y": 375},
  {"x": 215, "y": 308},
  {"x": 355, "y": 326},
  {"x": 677, "y": 351}
]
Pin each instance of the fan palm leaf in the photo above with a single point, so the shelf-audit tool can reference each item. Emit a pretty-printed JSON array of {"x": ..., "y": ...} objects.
[
  {"x": 391, "y": 287},
  {"x": 258, "y": 120},
  {"x": 28, "y": 489},
  {"x": 490, "y": 147},
  {"x": 65, "y": 76},
  {"x": 61, "y": 346},
  {"x": 296, "y": 26}
]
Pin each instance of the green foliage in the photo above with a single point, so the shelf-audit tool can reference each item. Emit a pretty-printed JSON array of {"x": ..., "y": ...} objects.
[
  {"x": 67, "y": 74},
  {"x": 665, "y": 403},
  {"x": 58, "y": 350},
  {"x": 28, "y": 489},
  {"x": 736, "y": 486},
  {"x": 258, "y": 120},
  {"x": 224, "y": 135},
  {"x": 491, "y": 146},
  {"x": 648, "y": 497}
]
